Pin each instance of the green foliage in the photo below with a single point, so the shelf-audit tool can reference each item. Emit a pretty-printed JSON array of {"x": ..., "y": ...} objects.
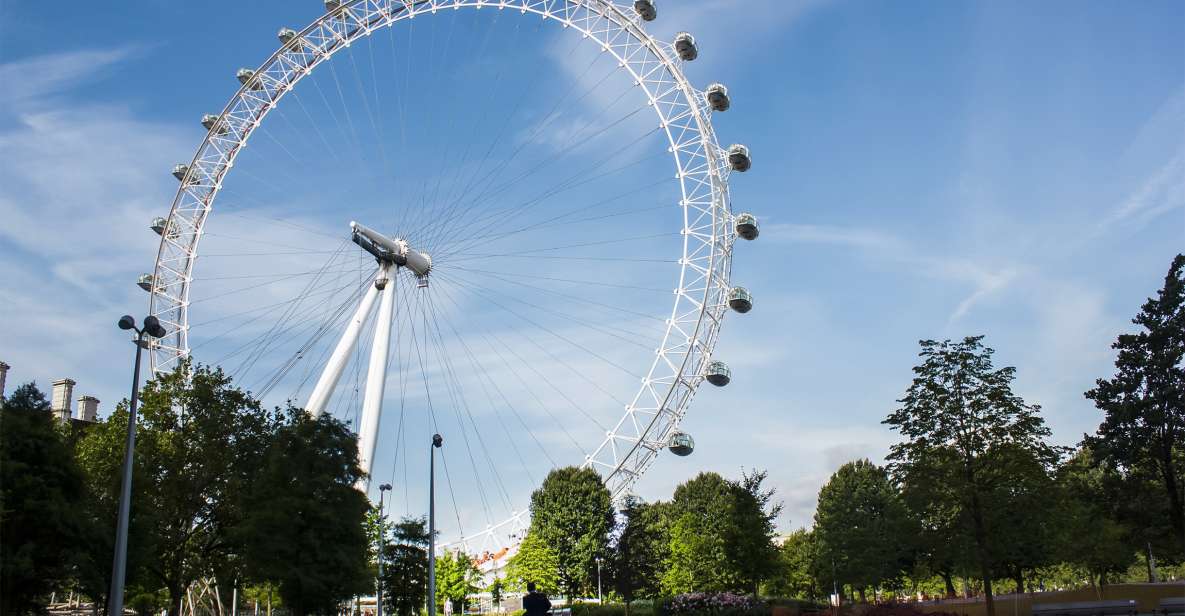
[
  {"x": 1143, "y": 431},
  {"x": 861, "y": 526},
  {"x": 199, "y": 443},
  {"x": 572, "y": 512},
  {"x": 635, "y": 608},
  {"x": 405, "y": 567},
  {"x": 535, "y": 562},
  {"x": 721, "y": 535},
  {"x": 796, "y": 574},
  {"x": 303, "y": 527},
  {"x": 456, "y": 578},
  {"x": 641, "y": 548},
  {"x": 963, "y": 428},
  {"x": 1090, "y": 535},
  {"x": 40, "y": 494}
]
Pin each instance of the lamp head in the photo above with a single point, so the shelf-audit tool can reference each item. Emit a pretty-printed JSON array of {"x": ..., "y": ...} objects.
[
  {"x": 437, "y": 441},
  {"x": 127, "y": 322},
  {"x": 384, "y": 487},
  {"x": 153, "y": 327}
]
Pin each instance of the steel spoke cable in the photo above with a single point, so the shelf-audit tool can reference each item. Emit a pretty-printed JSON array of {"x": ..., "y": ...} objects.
[
  {"x": 568, "y": 280},
  {"x": 559, "y": 336}
]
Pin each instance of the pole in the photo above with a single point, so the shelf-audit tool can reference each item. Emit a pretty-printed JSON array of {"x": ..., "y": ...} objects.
[
  {"x": 119, "y": 567},
  {"x": 436, "y": 443},
  {"x": 378, "y": 595},
  {"x": 599, "y": 599}
]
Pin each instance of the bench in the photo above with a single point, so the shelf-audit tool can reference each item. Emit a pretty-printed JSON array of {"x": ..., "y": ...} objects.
[
  {"x": 1120, "y": 607},
  {"x": 1172, "y": 606}
]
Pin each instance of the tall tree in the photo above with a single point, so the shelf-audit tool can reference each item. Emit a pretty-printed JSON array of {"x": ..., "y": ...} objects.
[
  {"x": 642, "y": 545},
  {"x": 798, "y": 557},
  {"x": 534, "y": 562},
  {"x": 456, "y": 579},
  {"x": 573, "y": 513},
  {"x": 721, "y": 535},
  {"x": 303, "y": 520},
  {"x": 1143, "y": 431},
  {"x": 1025, "y": 516},
  {"x": 960, "y": 421},
  {"x": 405, "y": 567},
  {"x": 861, "y": 526},
  {"x": 199, "y": 442},
  {"x": 40, "y": 495}
]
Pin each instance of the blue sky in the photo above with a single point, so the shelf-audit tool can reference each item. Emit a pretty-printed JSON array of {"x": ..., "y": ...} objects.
[{"x": 922, "y": 170}]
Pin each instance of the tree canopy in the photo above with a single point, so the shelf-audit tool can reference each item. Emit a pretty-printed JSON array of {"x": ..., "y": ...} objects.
[
  {"x": 572, "y": 512},
  {"x": 534, "y": 562},
  {"x": 405, "y": 567},
  {"x": 1143, "y": 430}
]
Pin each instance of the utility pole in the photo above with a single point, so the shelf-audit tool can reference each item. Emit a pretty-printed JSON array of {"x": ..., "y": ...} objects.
[{"x": 378, "y": 594}]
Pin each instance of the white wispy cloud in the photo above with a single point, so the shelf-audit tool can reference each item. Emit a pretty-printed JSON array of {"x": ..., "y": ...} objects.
[
  {"x": 36, "y": 79},
  {"x": 1163, "y": 191}
]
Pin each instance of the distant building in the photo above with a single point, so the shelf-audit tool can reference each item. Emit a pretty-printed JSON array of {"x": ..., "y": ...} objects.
[
  {"x": 60, "y": 402},
  {"x": 3, "y": 375}
]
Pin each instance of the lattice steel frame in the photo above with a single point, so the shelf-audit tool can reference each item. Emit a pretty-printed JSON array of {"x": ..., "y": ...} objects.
[{"x": 701, "y": 168}]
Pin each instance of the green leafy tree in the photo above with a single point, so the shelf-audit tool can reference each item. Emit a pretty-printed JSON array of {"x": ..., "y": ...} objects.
[
  {"x": 1090, "y": 535},
  {"x": 796, "y": 575},
  {"x": 641, "y": 548},
  {"x": 861, "y": 526},
  {"x": 1026, "y": 514},
  {"x": 573, "y": 513},
  {"x": 535, "y": 562},
  {"x": 199, "y": 443},
  {"x": 40, "y": 494},
  {"x": 497, "y": 589},
  {"x": 456, "y": 579},
  {"x": 1143, "y": 431},
  {"x": 303, "y": 526},
  {"x": 721, "y": 535},
  {"x": 405, "y": 567},
  {"x": 961, "y": 421}
]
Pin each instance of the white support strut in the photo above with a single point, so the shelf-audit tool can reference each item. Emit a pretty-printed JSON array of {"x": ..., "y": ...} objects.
[
  {"x": 323, "y": 391},
  {"x": 376, "y": 376}
]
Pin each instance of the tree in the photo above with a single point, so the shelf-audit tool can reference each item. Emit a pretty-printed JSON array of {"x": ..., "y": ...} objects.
[
  {"x": 199, "y": 442},
  {"x": 861, "y": 525},
  {"x": 405, "y": 567},
  {"x": 1025, "y": 515},
  {"x": 534, "y": 562},
  {"x": 456, "y": 579},
  {"x": 573, "y": 513},
  {"x": 642, "y": 545},
  {"x": 961, "y": 422},
  {"x": 1090, "y": 534},
  {"x": 1143, "y": 429},
  {"x": 303, "y": 520},
  {"x": 796, "y": 576},
  {"x": 721, "y": 535},
  {"x": 40, "y": 495}
]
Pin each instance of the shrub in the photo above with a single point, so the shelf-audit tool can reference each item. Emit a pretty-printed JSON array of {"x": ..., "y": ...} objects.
[
  {"x": 896, "y": 608},
  {"x": 712, "y": 604}
]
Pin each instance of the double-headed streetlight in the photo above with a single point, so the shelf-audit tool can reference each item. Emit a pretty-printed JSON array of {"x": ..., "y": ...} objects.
[
  {"x": 382, "y": 544},
  {"x": 437, "y": 441},
  {"x": 152, "y": 327}
]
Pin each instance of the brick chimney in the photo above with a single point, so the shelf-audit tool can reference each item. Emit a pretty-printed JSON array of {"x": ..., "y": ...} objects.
[
  {"x": 3, "y": 374},
  {"x": 88, "y": 408},
  {"x": 63, "y": 393}
]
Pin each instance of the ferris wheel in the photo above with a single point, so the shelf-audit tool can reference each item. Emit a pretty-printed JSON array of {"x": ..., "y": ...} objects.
[{"x": 549, "y": 289}]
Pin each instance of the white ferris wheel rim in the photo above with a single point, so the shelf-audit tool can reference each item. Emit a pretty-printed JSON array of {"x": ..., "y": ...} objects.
[{"x": 702, "y": 169}]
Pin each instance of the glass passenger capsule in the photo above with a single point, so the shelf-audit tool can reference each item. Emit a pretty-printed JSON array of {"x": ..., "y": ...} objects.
[
  {"x": 158, "y": 225},
  {"x": 746, "y": 226},
  {"x": 738, "y": 158},
  {"x": 210, "y": 121},
  {"x": 681, "y": 444},
  {"x": 646, "y": 9},
  {"x": 740, "y": 300},
  {"x": 179, "y": 171},
  {"x": 247, "y": 76},
  {"x": 717, "y": 96},
  {"x": 718, "y": 374},
  {"x": 144, "y": 282},
  {"x": 685, "y": 46},
  {"x": 286, "y": 35}
]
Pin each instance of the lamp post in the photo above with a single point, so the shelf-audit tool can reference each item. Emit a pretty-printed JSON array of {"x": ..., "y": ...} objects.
[
  {"x": 152, "y": 327},
  {"x": 437, "y": 441},
  {"x": 378, "y": 596}
]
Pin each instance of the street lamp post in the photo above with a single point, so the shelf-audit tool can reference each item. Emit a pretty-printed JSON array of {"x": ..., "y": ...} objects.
[
  {"x": 378, "y": 596},
  {"x": 437, "y": 441},
  {"x": 152, "y": 327}
]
